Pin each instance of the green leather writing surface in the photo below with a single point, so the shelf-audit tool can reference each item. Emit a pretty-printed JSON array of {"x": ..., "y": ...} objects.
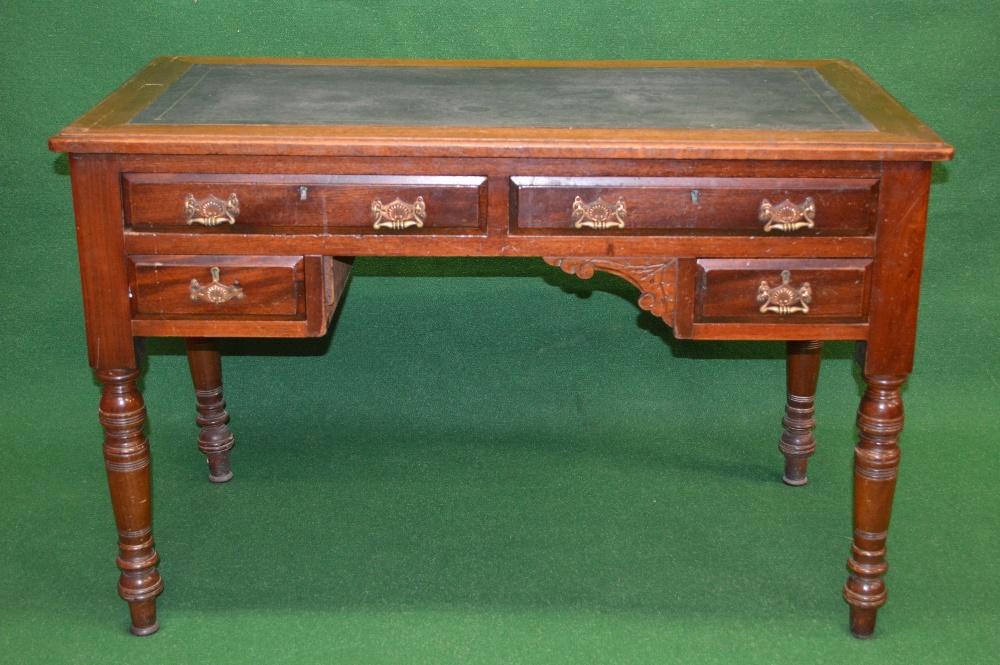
[{"x": 774, "y": 98}]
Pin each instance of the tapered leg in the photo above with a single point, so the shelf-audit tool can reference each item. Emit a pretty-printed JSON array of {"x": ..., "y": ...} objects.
[
  {"x": 876, "y": 462},
  {"x": 797, "y": 442},
  {"x": 215, "y": 439},
  {"x": 126, "y": 456}
]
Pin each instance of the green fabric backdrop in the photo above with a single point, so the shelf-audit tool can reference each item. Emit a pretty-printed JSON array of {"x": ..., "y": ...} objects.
[{"x": 490, "y": 461}]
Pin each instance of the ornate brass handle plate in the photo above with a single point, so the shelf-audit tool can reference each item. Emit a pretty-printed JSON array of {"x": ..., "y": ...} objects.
[
  {"x": 599, "y": 215},
  {"x": 787, "y": 216},
  {"x": 216, "y": 292},
  {"x": 211, "y": 211},
  {"x": 784, "y": 299},
  {"x": 398, "y": 215}
]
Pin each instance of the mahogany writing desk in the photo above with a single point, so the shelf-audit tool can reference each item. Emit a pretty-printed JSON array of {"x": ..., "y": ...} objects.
[{"x": 745, "y": 200}]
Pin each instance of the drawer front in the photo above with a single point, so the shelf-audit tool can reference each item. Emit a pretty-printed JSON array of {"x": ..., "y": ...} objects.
[
  {"x": 355, "y": 204},
  {"x": 226, "y": 287},
  {"x": 782, "y": 290},
  {"x": 779, "y": 206}
]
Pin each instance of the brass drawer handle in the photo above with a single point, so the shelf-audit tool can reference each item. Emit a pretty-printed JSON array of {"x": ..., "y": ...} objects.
[
  {"x": 398, "y": 215},
  {"x": 784, "y": 299},
  {"x": 211, "y": 211},
  {"x": 599, "y": 215},
  {"x": 216, "y": 292},
  {"x": 787, "y": 216}
]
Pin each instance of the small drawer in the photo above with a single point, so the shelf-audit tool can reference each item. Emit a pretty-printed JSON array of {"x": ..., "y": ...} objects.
[
  {"x": 314, "y": 204},
  {"x": 244, "y": 286},
  {"x": 624, "y": 206},
  {"x": 218, "y": 296},
  {"x": 782, "y": 290}
]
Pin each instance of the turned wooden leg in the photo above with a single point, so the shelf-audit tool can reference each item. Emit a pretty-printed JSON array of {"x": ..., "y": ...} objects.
[
  {"x": 797, "y": 442},
  {"x": 126, "y": 456},
  {"x": 215, "y": 439},
  {"x": 876, "y": 461}
]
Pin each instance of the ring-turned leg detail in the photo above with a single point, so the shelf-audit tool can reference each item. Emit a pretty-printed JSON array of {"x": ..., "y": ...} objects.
[
  {"x": 797, "y": 442},
  {"x": 215, "y": 439},
  {"x": 126, "y": 457},
  {"x": 876, "y": 462}
]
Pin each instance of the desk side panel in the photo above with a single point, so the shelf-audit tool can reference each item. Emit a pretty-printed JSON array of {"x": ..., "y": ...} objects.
[
  {"x": 899, "y": 254},
  {"x": 98, "y": 210}
]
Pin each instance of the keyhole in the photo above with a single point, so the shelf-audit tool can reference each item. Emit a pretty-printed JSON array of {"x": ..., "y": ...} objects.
[
  {"x": 303, "y": 193},
  {"x": 695, "y": 195}
]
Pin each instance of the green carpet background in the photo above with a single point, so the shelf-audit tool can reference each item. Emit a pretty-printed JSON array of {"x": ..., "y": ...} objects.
[{"x": 489, "y": 461}]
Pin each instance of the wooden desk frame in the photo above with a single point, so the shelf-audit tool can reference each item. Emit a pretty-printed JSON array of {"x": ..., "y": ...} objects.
[{"x": 863, "y": 279}]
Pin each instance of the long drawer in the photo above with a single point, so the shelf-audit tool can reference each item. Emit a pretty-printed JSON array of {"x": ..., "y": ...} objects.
[
  {"x": 794, "y": 206},
  {"x": 355, "y": 204}
]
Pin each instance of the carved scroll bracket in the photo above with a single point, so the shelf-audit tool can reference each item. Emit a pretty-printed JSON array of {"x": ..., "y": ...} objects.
[{"x": 656, "y": 278}]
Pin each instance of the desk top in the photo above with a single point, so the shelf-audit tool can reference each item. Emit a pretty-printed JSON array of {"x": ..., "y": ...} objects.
[
  {"x": 734, "y": 109},
  {"x": 609, "y": 97}
]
